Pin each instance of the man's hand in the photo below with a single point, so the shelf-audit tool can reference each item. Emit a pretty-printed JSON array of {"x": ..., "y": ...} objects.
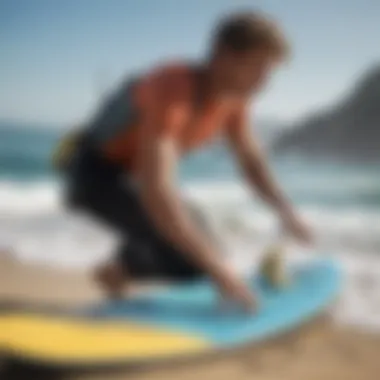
[
  {"x": 232, "y": 289},
  {"x": 296, "y": 227}
]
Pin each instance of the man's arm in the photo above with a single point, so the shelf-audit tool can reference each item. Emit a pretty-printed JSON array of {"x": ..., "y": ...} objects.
[
  {"x": 160, "y": 197},
  {"x": 157, "y": 163},
  {"x": 256, "y": 170}
]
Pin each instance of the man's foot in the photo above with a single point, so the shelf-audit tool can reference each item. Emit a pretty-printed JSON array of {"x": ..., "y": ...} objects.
[{"x": 111, "y": 279}]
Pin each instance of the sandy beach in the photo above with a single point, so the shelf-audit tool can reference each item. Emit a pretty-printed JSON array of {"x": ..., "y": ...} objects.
[{"x": 320, "y": 350}]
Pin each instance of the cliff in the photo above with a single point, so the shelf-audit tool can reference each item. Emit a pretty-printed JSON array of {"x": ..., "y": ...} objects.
[{"x": 350, "y": 129}]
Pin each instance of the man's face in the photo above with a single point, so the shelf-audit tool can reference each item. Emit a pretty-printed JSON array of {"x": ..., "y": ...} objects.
[{"x": 246, "y": 73}]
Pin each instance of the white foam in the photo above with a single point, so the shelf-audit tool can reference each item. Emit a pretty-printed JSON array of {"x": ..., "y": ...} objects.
[
  {"x": 294, "y": 183},
  {"x": 24, "y": 199},
  {"x": 35, "y": 226}
]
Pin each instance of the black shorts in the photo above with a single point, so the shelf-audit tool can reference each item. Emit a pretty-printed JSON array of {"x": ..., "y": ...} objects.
[{"x": 103, "y": 190}]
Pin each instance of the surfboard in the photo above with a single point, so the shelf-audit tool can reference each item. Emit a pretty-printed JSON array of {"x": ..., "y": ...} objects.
[{"x": 178, "y": 322}]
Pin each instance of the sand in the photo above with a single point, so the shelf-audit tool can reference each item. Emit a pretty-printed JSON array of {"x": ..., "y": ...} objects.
[{"x": 319, "y": 351}]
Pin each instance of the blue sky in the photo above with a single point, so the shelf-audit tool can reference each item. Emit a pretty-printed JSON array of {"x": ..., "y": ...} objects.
[{"x": 56, "y": 55}]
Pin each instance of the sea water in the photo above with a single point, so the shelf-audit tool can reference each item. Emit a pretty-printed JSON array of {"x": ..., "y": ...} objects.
[{"x": 340, "y": 201}]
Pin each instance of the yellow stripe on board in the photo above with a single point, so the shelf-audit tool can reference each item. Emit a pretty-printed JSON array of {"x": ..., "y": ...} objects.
[{"x": 54, "y": 339}]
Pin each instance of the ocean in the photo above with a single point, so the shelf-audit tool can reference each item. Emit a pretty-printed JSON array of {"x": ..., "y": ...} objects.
[{"x": 341, "y": 202}]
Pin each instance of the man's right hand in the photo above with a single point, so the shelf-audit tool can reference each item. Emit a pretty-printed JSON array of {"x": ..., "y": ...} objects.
[{"x": 234, "y": 289}]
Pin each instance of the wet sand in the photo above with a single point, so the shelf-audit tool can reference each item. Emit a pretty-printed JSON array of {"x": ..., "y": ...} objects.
[{"x": 319, "y": 351}]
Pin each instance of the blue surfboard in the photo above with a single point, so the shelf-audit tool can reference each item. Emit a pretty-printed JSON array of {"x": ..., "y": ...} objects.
[{"x": 175, "y": 322}]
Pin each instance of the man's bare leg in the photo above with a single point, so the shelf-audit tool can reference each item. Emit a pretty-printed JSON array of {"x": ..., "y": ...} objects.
[{"x": 112, "y": 279}]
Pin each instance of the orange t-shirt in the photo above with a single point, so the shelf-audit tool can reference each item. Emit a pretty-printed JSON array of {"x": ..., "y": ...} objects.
[{"x": 168, "y": 98}]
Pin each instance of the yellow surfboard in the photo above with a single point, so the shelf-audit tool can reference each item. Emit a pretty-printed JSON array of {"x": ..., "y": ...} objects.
[{"x": 65, "y": 341}]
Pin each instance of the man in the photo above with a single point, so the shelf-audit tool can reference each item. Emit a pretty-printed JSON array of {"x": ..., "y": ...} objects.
[{"x": 124, "y": 170}]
